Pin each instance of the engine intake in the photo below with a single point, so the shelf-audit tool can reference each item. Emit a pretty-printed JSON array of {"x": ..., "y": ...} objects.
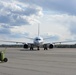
[
  {"x": 25, "y": 46},
  {"x": 51, "y": 46}
]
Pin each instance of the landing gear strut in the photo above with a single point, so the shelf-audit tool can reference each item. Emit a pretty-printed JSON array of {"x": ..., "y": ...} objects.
[
  {"x": 38, "y": 48},
  {"x": 45, "y": 47},
  {"x": 31, "y": 47}
]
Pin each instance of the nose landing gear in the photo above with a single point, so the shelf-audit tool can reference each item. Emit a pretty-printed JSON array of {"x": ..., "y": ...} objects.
[{"x": 38, "y": 48}]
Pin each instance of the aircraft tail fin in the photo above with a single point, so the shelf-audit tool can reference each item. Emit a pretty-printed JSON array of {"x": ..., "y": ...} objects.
[{"x": 38, "y": 29}]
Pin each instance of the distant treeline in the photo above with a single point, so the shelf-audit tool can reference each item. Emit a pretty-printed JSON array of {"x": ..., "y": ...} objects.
[
  {"x": 14, "y": 46},
  {"x": 65, "y": 46},
  {"x": 55, "y": 46}
]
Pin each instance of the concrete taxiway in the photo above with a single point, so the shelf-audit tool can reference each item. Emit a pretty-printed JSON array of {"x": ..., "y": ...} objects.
[{"x": 56, "y": 61}]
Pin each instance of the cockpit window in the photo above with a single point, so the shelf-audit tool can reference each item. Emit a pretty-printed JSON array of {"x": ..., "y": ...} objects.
[{"x": 37, "y": 39}]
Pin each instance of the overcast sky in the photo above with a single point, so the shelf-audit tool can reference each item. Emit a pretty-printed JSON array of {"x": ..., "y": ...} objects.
[{"x": 20, "y": 19}]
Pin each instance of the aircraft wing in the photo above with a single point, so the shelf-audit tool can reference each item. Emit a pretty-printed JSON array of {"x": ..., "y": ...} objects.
[
  {"x": 31, "y": 43},
  {"x": 63, "y": 42},
  {"x": 17, "y": 41},
  {"x": 12, "y": 41}
]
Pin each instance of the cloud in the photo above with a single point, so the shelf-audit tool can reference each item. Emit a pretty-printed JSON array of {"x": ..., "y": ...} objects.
[
  {"x": 73, "y": 29},
  {"x": 4, "y": 31},
  {"x": 18, "y": 13},
  {"x": 14, "y": 13},
  {"x": 52, "y": 38},
  {"x": 62, "y": 25},
  {"x": 62, "y": 6},
  {"x": 7, "y": 32},
  {"x": 18, "y": 35}
]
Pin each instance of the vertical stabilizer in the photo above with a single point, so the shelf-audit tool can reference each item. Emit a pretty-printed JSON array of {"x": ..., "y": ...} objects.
[{"x": 38, "y": 29}]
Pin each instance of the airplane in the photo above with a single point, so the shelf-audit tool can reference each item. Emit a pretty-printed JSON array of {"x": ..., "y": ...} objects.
[{"x": 37, "y": 42}]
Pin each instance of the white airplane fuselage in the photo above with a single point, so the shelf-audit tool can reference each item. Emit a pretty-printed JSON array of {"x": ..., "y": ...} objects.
[{"x": 38, "y": 41}]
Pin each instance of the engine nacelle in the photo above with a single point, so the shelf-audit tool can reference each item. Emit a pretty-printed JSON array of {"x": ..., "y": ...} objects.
[
  {"x": 25, "y": 46},
  {"x": 51, "y": 46}
]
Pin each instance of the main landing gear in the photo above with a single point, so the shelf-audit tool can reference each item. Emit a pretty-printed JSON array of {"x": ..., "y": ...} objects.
[
  {"x": 31, "y": 47},
  {"x": 45, "y": 47}
]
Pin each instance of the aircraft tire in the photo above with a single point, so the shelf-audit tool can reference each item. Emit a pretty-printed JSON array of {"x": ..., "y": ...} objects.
[{"x": 38, "y": 49}]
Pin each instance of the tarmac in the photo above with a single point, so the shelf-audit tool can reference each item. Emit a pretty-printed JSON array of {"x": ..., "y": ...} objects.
[{"x": 56, "y": 61}]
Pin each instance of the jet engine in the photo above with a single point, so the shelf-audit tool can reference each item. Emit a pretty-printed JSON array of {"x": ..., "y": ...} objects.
[
  {"x": 51, "y": 46},
  {"x": 25, "y": 46}
]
